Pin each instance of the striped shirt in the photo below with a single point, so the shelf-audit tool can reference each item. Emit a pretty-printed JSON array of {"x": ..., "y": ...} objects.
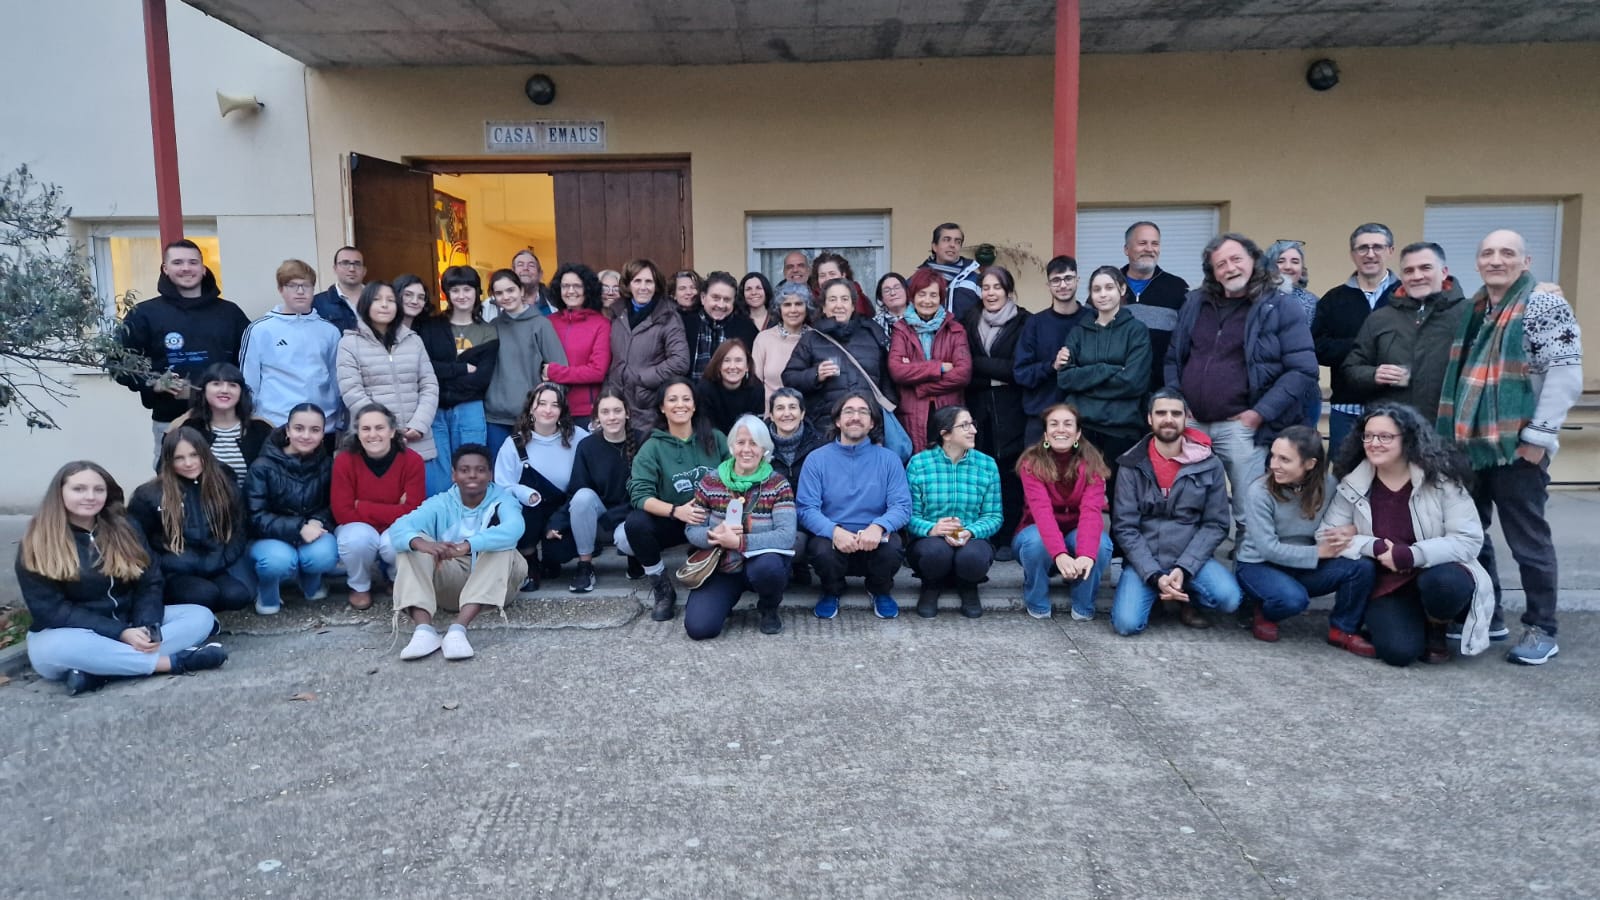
[{"x": 225, "y": 447}]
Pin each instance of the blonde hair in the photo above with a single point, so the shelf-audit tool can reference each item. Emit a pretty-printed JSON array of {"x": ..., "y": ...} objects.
[
  {"x": 290, "y": 269},
  {"x": 49, "y": 550}
]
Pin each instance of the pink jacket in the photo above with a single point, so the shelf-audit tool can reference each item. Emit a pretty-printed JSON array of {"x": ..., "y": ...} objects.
[
  {"x": 586, "y": 336},
  {"x": 919, "y": 379},
  {"x": 1057, "y": 511}
]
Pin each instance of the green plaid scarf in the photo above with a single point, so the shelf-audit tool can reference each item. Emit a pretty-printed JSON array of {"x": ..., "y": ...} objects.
[{"x": 1487, "y": 399}]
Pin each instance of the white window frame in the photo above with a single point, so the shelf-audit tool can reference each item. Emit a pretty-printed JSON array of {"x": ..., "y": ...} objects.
[
  {"x": 97, "y": 243},
  {"x": 1098, "y": 223},
  {"x": 1458, "y": 227},
  {"x": 813, "y": 233}
]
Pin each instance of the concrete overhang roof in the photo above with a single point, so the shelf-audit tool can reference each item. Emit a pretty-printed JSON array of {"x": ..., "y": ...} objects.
[{"x": 376, "y": 33}]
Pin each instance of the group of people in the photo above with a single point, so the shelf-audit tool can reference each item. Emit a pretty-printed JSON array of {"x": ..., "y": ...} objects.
[{"x": 458, "y": 452}]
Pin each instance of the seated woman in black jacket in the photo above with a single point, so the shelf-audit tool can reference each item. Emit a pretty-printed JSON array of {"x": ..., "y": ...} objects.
[
  {"x": 194, "y": 519},
  {"x": 222, "y": 409},
  {"x": 291, "y": 513},
  {"x": 793, "y": 439},
  {"x": 95, "y": 593},
  {"x": 599, "y": 489}
]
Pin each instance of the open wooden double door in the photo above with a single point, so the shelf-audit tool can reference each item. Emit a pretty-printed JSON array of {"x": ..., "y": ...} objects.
[{"x": 607, "y": 211}]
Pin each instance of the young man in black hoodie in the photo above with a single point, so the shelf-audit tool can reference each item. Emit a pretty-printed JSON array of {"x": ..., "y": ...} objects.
[{"x": 186, "y": 327}]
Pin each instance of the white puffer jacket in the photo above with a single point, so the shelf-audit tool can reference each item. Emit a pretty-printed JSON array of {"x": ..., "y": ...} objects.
[{"x": 401, "y": 379}]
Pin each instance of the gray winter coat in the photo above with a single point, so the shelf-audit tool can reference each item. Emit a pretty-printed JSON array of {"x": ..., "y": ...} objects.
[
  {"x": 1181, "y": 528},
  {"x": 401, "y": 379}
]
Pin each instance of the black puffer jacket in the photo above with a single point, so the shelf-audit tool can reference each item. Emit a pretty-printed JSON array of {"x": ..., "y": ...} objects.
[
  {"x": 202, "y": 554},
  {"x": 94, "y": 601},
  {"x": 996, "y": 408},
  {"x": 286, "y": 491},
  {"x": 863, "y": 339}
]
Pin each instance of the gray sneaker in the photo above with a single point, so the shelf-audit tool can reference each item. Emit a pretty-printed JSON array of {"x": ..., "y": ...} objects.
[{"x": 1534, "y": 648}]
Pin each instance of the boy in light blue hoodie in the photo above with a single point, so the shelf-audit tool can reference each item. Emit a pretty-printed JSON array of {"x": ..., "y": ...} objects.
[
  {"x": 457, "y": 550},
  {"x": 289, "y": 355}
]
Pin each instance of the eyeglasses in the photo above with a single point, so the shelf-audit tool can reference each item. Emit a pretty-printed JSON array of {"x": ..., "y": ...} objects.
[
  {"x": 1365, "y": 249},
  {"x": 1381, "y": 438},
  {"x": 572, "y": 289},
  {"x": 1063, "y": 279},
  {"x": 967, "y": 426},
  {"x": 297, "y": 287},
  {"x": 350, "y": 264},
  {"x": 855, "y": 412}
]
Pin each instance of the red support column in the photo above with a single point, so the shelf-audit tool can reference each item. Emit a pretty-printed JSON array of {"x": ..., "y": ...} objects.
[
  {"x": 1068, "y": 32},
  {"x": 163, "y": 133}
]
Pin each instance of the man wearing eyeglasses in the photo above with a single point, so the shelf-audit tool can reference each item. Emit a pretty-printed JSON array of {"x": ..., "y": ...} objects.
[
  {"x": 337, "y": 304},
  {"x": 184, "y": 328},
  {"x": 1157, "y": 294},
  {"x": 853, "y": 499},
  {"x": 1340, "y": 314},
  {"x": 1515, "y": 370},
  {"x": 1040, "y": 354}
]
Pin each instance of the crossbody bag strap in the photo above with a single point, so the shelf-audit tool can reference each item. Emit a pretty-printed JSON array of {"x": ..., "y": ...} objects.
[{"x": 882, "y": 400}]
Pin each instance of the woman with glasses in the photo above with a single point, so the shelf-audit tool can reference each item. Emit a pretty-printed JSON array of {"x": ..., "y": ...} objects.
[
  {"x": 1402, "y": 502},
  {"x": 416, "y": 307},
  {"x": 890, "y": 303},
  {"x": 383, "y": 362},
  {"x": 955, "y": 510},
  {"x": 610, "y": 291},
  {"x": 585, "y": 334},
  {"x": 928, "y": 357},
  {"x": 1287, "y": 556}
]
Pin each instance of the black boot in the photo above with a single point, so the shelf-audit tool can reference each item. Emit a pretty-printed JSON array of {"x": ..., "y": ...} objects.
[
  {"x": 635, "y": 569},
  {"x": 800, "y": 575},
  {"x": 81, "y": 682},
  {"x": 928, "y": 600},
  {"x": 970, "y": 607},
  {"x": 770, "y": 621},
  {"x": 666, "y": 598}
]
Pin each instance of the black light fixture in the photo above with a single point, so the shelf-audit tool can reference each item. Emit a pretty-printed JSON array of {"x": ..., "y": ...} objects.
[
  {"x": 541, "y": 90},
  {"x": 1322, "y": 75}
]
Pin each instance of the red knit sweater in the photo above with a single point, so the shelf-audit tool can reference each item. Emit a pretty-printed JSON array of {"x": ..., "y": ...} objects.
[{"x": 360, "y": 496}]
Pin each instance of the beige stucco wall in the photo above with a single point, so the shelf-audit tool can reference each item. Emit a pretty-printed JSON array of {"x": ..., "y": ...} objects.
[{"x": 970, "y": 140}]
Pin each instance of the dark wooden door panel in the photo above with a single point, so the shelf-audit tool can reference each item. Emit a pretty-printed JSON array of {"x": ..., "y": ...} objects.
[
  {"x": 392, "y": 206},
  {"x": 606, "y": 218}
]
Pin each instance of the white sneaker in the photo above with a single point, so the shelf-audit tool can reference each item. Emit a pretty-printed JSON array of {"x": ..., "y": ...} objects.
[
  {"x": 456, "y": 645},
  {"x": 424, "y": 641},
  {"x": 1080, "y": 617}
]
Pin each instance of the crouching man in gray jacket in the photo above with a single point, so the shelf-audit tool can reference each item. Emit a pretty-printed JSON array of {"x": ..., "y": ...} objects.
[{"x": 1171, "y": 513}]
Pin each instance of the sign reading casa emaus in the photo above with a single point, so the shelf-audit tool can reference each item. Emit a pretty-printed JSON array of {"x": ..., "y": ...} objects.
[{"x": 545, "y": 136}]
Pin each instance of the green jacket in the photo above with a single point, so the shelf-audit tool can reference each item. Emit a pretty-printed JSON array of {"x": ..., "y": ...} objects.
[
  {"x": 1404, "y": 332},
  {"x": 1108, "y": 375},
  {"x": 669, "y": 469}
]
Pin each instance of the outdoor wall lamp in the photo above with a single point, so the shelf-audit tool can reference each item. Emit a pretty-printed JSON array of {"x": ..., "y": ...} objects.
[
  {"x": 541, "y": 90},
  {"x": 1322, "y": 75}
]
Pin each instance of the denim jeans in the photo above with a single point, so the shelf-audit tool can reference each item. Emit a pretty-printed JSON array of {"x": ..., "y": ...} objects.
[
  {"x": 1339, "y": 427},
  {"x": 1283, "y": 592},
  {"x": 276, "y": 560},
  {"x": 1213, "y": 587},
  {"x": 54, "y": 651},
  {"x": 1398, "y": 622},
  {"x": 454, "y": 427},
  {"x": 1037, "y": 565},
  {"x": 1235, "y": 445},
  {"x": 361, "y": 548},
  {"x": 707, "y": 609},
  {"x": 495, "y": 439}
]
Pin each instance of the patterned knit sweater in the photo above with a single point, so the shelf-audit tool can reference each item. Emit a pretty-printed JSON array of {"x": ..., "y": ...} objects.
[
  {"x": 1554, "y": 346},
  {"x": 769, "y": 525}
]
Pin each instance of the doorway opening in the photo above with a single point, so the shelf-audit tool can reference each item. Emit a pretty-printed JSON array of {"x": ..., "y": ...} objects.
[{"x": 424, "y": 215}]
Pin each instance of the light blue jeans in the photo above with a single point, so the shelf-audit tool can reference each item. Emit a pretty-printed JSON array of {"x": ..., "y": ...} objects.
[
  {"x": 1037, "y": 564},
  {"x": 454, "y": 427},
  {"x": 361, "y": 548},
  {"x": 276, "y": 560},
  {"x": 53, "y": 651},
  {"x": 1213, "y": 587}
]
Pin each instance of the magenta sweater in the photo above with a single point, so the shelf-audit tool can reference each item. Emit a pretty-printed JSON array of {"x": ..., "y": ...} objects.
[{"x": 1057, "y": 511}]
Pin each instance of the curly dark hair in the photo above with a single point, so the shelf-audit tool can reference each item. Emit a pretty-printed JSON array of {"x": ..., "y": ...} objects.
[
  {"x": 1261, "y": 281},
  {"x": 522, "y": 432},
  {"x": 591, "y": 285},
  {"x": 1441, "y": 462}
]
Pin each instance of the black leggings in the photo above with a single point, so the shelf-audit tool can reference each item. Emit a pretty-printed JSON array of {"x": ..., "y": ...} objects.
[
  {"x": 217, "y": 593},
  {"x": 1398, "y": 622},
  {"x": 649, "y": 535}
]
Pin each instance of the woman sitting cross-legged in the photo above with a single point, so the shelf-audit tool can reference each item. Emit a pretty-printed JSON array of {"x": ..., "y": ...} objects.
[
  {"x": 458, "y": 552},
  {"x": 291, "y": 516},
  {"x": 193, "y": 517},
  {"x": 599, "y": 489},
  {"x": 535, "y": 465},
  {"x": 1403, "y": 490},
  {"x": 376, "y": 480},
  {"x": 681, "y": 450},
  {"x": 1288, "y": 557},
  {"x": 94, "y": 591},
  {"x": 1064, "y": 493},
  {"x": 955, "y": 510},
  {"x": 750, "y": 515}
]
